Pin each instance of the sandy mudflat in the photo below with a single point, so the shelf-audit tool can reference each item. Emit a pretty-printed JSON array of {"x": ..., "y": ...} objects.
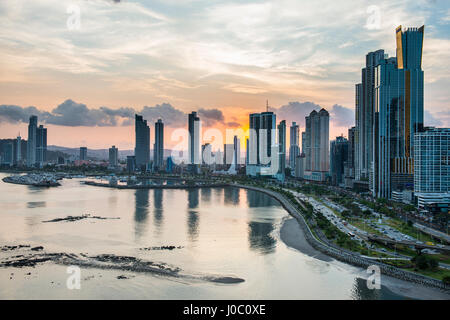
[{"x": 292, "y": 235}]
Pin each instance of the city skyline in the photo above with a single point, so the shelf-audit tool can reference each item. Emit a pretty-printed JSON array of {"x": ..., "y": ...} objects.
[{"x": 239, "y": 81}]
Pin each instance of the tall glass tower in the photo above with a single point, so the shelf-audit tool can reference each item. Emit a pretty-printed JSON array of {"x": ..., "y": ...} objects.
[
  {"x": 31, "y": 143},
  {"x": 398, "y": 114},
  {"x": 142, "y": 146},
  {"x": 158, "y": 149}
]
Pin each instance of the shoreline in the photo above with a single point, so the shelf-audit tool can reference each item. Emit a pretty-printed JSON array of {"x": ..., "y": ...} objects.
[
  {"x": 293, "y": 237},
  {"x": 348, "y": 257}
]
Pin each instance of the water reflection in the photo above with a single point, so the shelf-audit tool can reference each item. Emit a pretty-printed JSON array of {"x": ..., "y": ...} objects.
[
  {"x": 231, "y": 196},
  {"x": 36, "y": 204},
  {"x": 260, "y": 237},
  {"x": 258, "y": 199},
  {"x": 206, "y": 195},
  {"x": 141, "y": 211},
  {"x": 158, "y": 208},
  {"x": 360, "y": 291},
  {"x": 192, "y": 219}
]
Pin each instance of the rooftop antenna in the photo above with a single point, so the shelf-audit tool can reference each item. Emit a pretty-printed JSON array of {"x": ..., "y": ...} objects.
[{"x": 267, "y": 105}]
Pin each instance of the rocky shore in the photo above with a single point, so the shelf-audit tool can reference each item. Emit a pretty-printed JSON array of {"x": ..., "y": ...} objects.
[{"x": 37, "y": 180}]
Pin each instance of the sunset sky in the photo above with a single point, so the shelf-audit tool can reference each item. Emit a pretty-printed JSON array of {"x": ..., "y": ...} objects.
[{"x": 85, "y": 78}]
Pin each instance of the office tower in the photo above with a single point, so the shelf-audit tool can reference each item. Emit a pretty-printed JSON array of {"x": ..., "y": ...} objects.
[
  {"x": 18, "y": 150},
  {"x": 41, "y": 145},
  {"x": 31, "y": 144},
  {"x": 316, "y": 145},
  {"x": 194, "y": 141},
  {"x": 207, "y": 158},
  {"x": 364, "y": 114},
  {"x": 131, "y": 164},
  {"x": 142, "y": 145},
  {"x": 237, "y": 151},
  {"x": 113, "y": 156},
  {"x": 398, "y": 114},
  {"x": 294, "y": 149},
  {"x": 432, "y": 167},
  {"x": 338, "y": 159},
  {"x": 158, "y": 149},
  {"x": 83, "y": 153},
  {"x": 299, "y": 166},
  {"x": 281, "y": 150}
]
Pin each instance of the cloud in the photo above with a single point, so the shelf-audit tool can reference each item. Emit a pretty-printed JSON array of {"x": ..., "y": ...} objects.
[
  {"x": 210, "y": 116},
  {"x": 341, "y": 116},
  {"x": 233, "y": 124},
  {"x": 14, "y": 114},
  {"x": 437, "y": 119},
  {"x": 295, "y": 111},
  {"x": 171, "y": 117},
  {"x": 73, "y": 114}
]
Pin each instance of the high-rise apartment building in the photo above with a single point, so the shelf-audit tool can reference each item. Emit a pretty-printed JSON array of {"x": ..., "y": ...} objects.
[
  {"x": 262, "y": 138},
  {"x": 364, "y": 114},
  {"x": 281, "y": 150},
  {"x": 237, "y": 151},
  {"x": 158, "y": 149},
  {"x": 338, "y": 159},
  {"x": 315, "y": 144},
  {"x": 41, "y": 145},
  {"x": 31, "y": 143},
  {"x": 432, "y": 166},
  {"x": 113, "y": 156},
  {"x": 194, "y": 157},
  {"x": 142, "y": 145},
  {"x": 294, "y": 149},
  {"x": 83, "y": 153}
]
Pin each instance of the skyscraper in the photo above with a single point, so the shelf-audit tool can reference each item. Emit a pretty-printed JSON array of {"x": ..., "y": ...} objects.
[
  {"x": 158, "y": 149},
  {"x": 8, "y": 154},
  {"x": 19, "y": 150},
  {"x": 281, "y": 150},
  {"x": 41, "y": 145},
  {"x": 294, "y": 149},
  {"x": 113, "y": 156},
  {"x": 31, "y": 143},
  {"x": 316, "y": 145},
  {"x": 364, "y": 114},
  {"x": 338, "y": 159},
  {"x": 432, "y": 166},
  {"x": 237, "y": 151},
  {"x": 398, "y": 114},
  {"x": 261, "y": 140},
  {"x": 83, "y": 153},
  {"x": 228, "y": 154},
  {"x": 194, "y": 157},
  {"x": 142, "y": 145}
]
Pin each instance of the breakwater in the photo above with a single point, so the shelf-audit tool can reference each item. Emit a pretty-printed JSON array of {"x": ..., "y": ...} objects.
[{"x": 157, "y": 186}]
